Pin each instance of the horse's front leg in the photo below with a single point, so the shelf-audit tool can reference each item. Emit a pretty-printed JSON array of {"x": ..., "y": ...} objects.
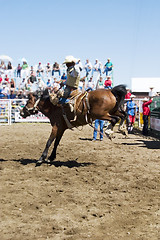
[
  {"x": 48, "y": 144},
  {"x": 56, "y": 143}
]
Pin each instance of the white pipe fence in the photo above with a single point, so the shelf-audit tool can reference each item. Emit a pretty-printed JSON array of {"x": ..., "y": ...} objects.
[{"x": 10, "y": 112}]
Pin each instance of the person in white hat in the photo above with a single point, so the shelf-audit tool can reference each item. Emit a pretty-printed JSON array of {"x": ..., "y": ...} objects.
[
  {"x": 146, "y": 113},
  {"x": 108, "y": 67},
  {"x": 73, "y": 77},
  {"x": 131, "y": 112}
]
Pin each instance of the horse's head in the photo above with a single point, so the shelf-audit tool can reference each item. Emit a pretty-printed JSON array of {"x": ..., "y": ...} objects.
[{"x": 31, "y": 106}]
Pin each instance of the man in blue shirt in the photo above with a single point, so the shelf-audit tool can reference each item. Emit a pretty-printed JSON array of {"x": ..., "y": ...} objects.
[
  {"x": 108, "y": 66},
  {"x": 131, "y": 111}
]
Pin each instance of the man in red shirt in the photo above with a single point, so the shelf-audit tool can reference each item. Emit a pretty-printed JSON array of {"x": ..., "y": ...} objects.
[
  {"x": 108, "y": 83},
  {"x": 146, "y": 113},
  {"x": 128, "y": 94}
]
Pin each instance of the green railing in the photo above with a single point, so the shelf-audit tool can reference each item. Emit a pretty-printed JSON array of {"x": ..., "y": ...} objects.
[
  {"x": 155, "y": 107},
  {"x": 155, "y": 116}
]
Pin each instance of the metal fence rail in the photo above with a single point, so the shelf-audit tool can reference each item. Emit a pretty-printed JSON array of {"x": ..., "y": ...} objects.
[{"x": 10, "y": 112}]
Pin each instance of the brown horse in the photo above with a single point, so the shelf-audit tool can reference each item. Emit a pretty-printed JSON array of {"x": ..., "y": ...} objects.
[{"x": 100, "y": 104}]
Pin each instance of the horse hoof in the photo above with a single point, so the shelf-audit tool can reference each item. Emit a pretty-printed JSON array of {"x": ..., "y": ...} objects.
[
  {"x": 38, "y": 164},
  {"x": 48, "y": 160}
]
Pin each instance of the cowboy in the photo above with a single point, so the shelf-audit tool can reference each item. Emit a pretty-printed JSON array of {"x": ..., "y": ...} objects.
[{"x": 73, "y": 77}]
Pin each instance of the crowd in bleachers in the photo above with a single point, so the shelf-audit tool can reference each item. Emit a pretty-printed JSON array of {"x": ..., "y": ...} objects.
[{"x": 18, "y": 81}]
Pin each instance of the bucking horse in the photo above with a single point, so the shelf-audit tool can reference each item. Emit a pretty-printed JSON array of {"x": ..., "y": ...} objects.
[{"x": 104, "y": 104}]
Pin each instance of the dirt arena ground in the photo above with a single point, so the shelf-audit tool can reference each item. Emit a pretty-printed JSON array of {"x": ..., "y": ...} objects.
[{"x": 93, "y": 190}]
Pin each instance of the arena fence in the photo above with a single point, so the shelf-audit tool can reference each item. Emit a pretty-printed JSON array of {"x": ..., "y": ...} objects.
[{"x": 10, "y": 112}]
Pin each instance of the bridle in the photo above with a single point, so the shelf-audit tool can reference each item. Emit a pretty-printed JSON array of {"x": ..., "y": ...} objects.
[{"x": 34, "y": 108}]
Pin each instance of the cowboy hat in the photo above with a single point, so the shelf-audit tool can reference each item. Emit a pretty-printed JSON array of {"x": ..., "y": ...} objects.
[
  {"x": 70, "y": 59},
  {"x": 132, "y": 96},
  {"x": 145, "y": 99}
]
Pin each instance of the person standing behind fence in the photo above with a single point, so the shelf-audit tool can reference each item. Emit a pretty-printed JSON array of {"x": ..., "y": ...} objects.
[
  {"x": 131, "y": 111},
  {"x": 146, "y": 113},
  {"x": 128, "y": 94},
  {"x": 98, "y": 122}
]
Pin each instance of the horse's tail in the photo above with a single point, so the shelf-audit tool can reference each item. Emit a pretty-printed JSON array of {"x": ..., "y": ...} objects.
[{"x": 119, "y": 92}]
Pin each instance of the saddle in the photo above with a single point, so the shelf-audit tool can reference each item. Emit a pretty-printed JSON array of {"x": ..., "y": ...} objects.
[
  {"x": 78, "y": 103},
  {"x": 78, "y": 100}
]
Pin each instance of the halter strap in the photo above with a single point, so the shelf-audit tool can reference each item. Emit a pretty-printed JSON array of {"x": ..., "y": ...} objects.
[{"x": 34, "y": 107}]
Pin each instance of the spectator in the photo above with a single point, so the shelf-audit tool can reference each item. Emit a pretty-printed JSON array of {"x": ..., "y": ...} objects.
[
  {"x": 108, "y": 83},
  {"x": 28, "y": 86},
  {"x": 12, "y": 95},
  {"x": 63, "y": 78},
  {"x": 87, "y": 67},
  {"x": 108, "y": 67},
  {"x": 131, "y": 111},
  {"x": 19, "y": 68},
  {"x": 21, "y": 94},
  {"x": 6, "y": 79},
  {"x": 56, "y": 68},
  {"x": 24, "y": 65},
  {"x": 1, "y": 96},
  {"x": 146, "y": 113},
  {"x": 128, "y": 94},
  {"x": 56, "y": 85},
  {"x": 2, "y": 65},
  {"x": 48, "y": 68},
  {"x": 100, "y": 123},
  {"x": 22, "y": 84},
  {"x": 41, "y": 85},
  {"x": 1, "y": 79},
  {"x": 97, "y": 67},
  {"x": 39, "y": 70},
  {"x": 49, "y": 86},
  {"x": 12, "y": 84},
  {"x": 9, "y": 66},
  {"x": 32, "y": 75},
  {"x": 90, "y": 85},
  {"x": 100, "y": 83},
  {"x": 79, "y": 64},
  {"x": 5, "y": 90}
]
